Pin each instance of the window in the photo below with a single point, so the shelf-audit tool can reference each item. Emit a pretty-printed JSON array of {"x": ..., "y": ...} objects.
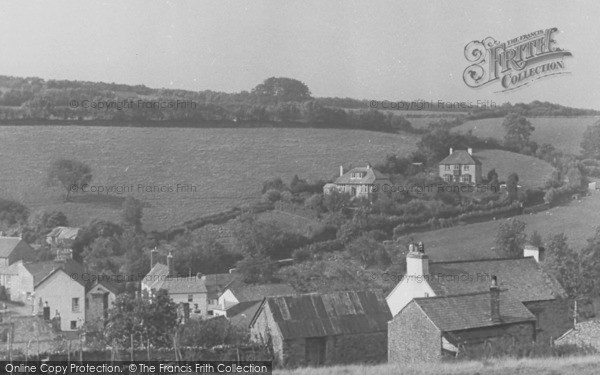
[
  {"x": 466, "y": 167},
  {"x": 448, "y": 178},
  {"x": 466, "y": 178},
  {"x": 73, "y": 323},
  {"x": 195, "y": 307},
  {"x": 447, "y": 167},
  {"x": 190, "y": 297},
  {"x": 75, "y": 305},
  {"x": 457, "y": 167}
]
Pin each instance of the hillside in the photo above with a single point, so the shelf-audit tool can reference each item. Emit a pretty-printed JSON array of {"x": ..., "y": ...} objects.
[
  {"x": 532, "y": 172},
  {"x": 226, "y": 166},
  {"x": 578, "y": 221},
  {"x": 564, "y": 133},
  {"x": 540, "y": 366}
]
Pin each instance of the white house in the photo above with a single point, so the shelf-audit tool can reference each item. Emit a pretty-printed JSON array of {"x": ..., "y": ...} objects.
[
  {"x": 359, "y": 182},
  {"x": 12, "y": 249}
]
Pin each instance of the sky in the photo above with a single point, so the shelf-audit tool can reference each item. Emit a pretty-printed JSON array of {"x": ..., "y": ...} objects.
[{"x": 375, "y": 50}]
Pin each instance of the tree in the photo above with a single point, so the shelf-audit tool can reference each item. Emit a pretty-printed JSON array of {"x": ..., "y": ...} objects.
[
  {"x": 281, "y": 89},
  {"x": 369, "y": 251},
  {"x": 535, "y": 239},
  {"x": 72, "y": 175},
  {"x": 132, "y": 212},
  {"x": 511, "y": 238},
  {"x": 512, "y": 186},
  {"x": 146, "y": 319},
  {"x": 256, "y": 269},
  {"x": 492, "y": 175},
  {"x": 590, "y": 145},
  {"x": 518, "y": 130}
]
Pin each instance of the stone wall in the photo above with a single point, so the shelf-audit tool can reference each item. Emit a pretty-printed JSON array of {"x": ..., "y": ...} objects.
[
  {"x": 358, "y": 348},
  {"x": 412, "y": 337},
  {"x": 482, "y": 341}
]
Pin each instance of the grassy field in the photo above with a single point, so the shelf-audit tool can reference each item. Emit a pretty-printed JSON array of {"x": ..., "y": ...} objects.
[
  {"x": 226, "y": 166},
  {"x": 562, "y": 132},
  {"x": 542, "y": 366},
  {"x": 578, "y": 221},
  {"x": 532, "y": 172}
]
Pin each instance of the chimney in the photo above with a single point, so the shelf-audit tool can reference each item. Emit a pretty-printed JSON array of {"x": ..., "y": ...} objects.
[
  {"x": 470, "y": 151},
  {"x": 170, "y": 263},
  {"x": 451, "y": 150},
  {"x": 199, "y": 275},
  {"x": 538, "y": 253},
  {"x": 153, "y": 253},
  {"x": 417, "y": 263},
  {"x": 495, "y": 301},
  {"x": 341, "y": 170},
  {"x": 368, "y": 166}
]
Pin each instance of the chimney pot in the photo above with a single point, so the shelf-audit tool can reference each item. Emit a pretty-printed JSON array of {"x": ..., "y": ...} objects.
[
  {"x": 170, "y": 263},
  {"x": 451, "y": 150},
  {"x": 470, "y": 151},
  {"x": 341, "y": 170}
]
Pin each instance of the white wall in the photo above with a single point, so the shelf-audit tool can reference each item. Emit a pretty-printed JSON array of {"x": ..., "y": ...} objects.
[
  {"x": 59, "y": 290},
  {"x": 407, "y": 289},
  {"x": 227, "y": 297},
  {"x": 20, "y": 283},
  {"x": 198, "y": 298}
]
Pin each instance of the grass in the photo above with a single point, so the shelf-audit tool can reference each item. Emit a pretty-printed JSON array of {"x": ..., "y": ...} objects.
[
  {"x": 226, "y": 166},
  {"x": 578, "y": 221},
  {"x": 565, "y": 133},
  {"x": 540, "y": 366},
  {"x": 532, "y": 172}
]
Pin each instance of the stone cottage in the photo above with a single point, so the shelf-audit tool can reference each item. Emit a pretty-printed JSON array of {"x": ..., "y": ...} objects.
[
  {"x": 524, "y": 278},
  {"x": 324, "y": 329},
  {"x": 428, "y": 329}
]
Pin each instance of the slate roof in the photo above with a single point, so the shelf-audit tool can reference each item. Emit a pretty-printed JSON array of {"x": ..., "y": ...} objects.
[
  {"x": 64, "y": 233},
  {"x": 42, "y": 270},
  {"x": 7, "y": 245},
  {"x": 319, "y": 315},
  {"x": 156, "y": 277},
  {"x": 217, "y": 283},
  {"x": 469, "y": 311},
  {"x": 523, "y": 277},
  {"x": 184, "y": 285},
  {"x": 371, "y": 176},
  {"x": 249, "y": 293},
  {"x": 460, "y": 157},
  {"x": 584, "y": 333}
]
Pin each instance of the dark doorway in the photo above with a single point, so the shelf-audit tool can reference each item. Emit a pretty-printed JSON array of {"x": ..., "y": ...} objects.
[{"x": 315, "y": 351}]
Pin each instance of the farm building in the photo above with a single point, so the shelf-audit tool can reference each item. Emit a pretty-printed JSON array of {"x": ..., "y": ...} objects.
[
  {"x": 461, "y": 166},
  {"x": 524, "y": 278},
  {"x": 431, "y": 328},
  {"x": 324, "y": 329},
  {"x": 358, "y": 182}
]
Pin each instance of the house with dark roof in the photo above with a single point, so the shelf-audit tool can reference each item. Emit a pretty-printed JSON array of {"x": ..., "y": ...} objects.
[
  {"x": 461, "y": 166},
  {"x": 358, "y": 182},
  {"x": 61, "y": 240},
  {"x": 240, "y": 301},
  {"x": 199, "y": 293},
  {"x": 12, "y": 249},
  {"x": 524, "y": 278},
  {"x": 428, "y": 329},
  {"x": 323, "y": 329}
]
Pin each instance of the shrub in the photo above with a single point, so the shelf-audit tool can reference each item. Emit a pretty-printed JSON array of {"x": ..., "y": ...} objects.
[
  {"x": 272, "y": 195},
  {"x": 302, "y": 254}
]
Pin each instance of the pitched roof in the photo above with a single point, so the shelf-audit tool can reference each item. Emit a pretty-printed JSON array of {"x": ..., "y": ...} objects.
[
  {"x": 584, "y": 333},
  {"x": 370, "y": 176},
  {"x": 460, "y": 157},
  {"x": 218, "y": 282},
  {"x": 523, "y": 277},
  {"x": 318, "y": 315},
  {"x": 42, "y": 270},
  {"x": 64, "y": 233},
  {"x": 469, "y": 311},
  {"x": 7, "y": 245},
  {"x": 156, "y": 277},
  {"x": 249, "y": 293},
  {"x": 184, "y": 285}
]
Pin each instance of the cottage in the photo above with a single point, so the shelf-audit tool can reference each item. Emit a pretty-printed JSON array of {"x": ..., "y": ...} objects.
[
  {"x": 359, "y": 182},
  {"x": 430, "y": 328},
  {"x": 461, "y": 166},
  {"x": 524, "y": 278},
  {"x": 12, "y": 249},
  {"x": 61, "y": 240},
  {"x": 199, "y": 293},
  {"x": 100, "y": 297},
  {"x": 323, "y": 329}
]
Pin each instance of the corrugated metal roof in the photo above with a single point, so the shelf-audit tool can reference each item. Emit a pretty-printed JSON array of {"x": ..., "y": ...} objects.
[
  {"x": 318, "y": 315},
  {"x": 473, "y": 310}
]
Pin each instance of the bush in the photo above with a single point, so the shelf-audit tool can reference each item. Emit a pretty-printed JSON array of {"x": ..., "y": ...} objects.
[
  {"x": 272, "y": 196},
  {"x": 302, "y": 254}
]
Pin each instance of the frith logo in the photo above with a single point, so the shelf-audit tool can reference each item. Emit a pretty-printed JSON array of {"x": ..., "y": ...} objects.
[{"x": 514, "y": 63}]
